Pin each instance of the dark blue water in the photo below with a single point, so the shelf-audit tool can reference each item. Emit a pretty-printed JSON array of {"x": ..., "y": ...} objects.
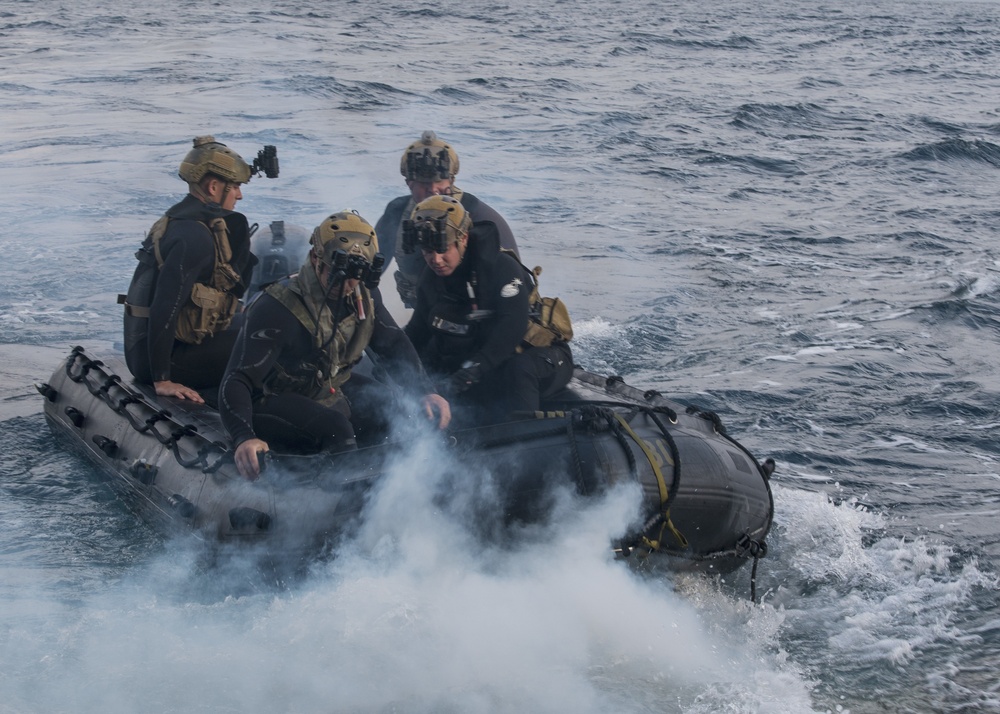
[{"x": 785, "y": 212}]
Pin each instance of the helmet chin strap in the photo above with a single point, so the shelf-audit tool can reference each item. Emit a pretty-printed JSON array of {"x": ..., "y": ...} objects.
[
  {"x": 203, "y": 196},
  {"x": 198, "y": 192}
]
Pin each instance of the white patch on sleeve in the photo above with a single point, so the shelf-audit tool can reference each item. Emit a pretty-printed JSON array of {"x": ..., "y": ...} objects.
[{"x": 511, "y": 289}]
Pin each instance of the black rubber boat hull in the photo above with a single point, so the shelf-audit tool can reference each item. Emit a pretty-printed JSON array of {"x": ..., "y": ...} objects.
[{"x": 707, "y": 500}]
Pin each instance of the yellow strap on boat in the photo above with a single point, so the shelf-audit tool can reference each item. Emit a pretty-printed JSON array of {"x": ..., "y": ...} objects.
[
  {"x": 667, "y": 523},
  {"x": 661, "y": 484}
]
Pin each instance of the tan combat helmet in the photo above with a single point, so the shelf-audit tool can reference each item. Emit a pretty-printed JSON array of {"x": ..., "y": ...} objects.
[
  {"x": 429, "y": 159},
  {"x": 436, "y": 223},
  {"x": 212, "y": 157},
  {"x": 346, "y": 231}
]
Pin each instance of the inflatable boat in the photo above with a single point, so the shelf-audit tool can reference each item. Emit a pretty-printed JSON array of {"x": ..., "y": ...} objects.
[{"x": 707, "y": 501}]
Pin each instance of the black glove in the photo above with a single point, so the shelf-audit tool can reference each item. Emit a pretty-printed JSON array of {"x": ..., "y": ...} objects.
[
  {"x": 406, "y": 288},
  {"x": 464, "y": 378}
]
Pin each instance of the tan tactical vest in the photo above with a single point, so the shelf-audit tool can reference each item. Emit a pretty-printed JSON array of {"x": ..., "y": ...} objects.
[
  {"x": 335, "y": 359},
  {"x": 211, "y": 306}
]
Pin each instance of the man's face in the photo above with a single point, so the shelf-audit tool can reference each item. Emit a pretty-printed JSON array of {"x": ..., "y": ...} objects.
[
  {"x": 326, "y": 276},
  {"x": 425, "y": 189},
  {"x": 233, "y": 195},
  {"x": 444, "y": 264}
]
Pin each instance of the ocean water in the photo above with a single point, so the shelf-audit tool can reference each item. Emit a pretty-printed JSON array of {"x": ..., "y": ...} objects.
[{"x": 782, "y": 211}]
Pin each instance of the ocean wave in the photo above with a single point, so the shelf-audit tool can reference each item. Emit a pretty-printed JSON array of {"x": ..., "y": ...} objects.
[
  {"x": 752, "y": 164},
  {"x": 948, "y": 150}
]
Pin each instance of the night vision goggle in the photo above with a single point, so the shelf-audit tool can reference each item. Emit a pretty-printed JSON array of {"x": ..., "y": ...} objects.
[
  {"x": 429, "y": 235},
  {"x": 427, "y": 166},
  {"x": 356, "y": 267},
  {"x": 266, "y": 162}
]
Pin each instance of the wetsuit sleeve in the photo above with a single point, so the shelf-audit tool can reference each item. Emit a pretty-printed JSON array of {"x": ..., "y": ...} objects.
[
  {"x": 189, "y": 255},
  {"x": 268, "y": 332},
  {"x": 506, "y": 329},
  {"x": 395, "y": 351}
]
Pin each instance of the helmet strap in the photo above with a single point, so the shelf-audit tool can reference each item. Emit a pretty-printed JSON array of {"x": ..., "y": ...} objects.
[
  {"x": 199, "y": 192},
  {"x": 202, "y": 194}
]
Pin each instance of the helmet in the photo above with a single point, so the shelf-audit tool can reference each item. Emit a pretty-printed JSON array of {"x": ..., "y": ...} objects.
[
  {"x": 211, "y": 157},
  {"x": 346, "y": 231},
  {"x": 429, "y": 159},
  {"x": 436, "y": 223}
]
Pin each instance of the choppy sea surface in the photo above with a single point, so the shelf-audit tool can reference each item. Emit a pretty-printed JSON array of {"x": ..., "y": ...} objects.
[{"x": 786, "y": 212}]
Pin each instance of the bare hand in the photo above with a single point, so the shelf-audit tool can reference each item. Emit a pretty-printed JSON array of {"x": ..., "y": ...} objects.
[
  {"x": 246, "y": 458},
  {"x": 437, "y": 408},
  {"x": 166, "y": 388}
]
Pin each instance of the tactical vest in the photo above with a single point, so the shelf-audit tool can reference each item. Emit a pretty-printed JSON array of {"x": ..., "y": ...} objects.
[
  {"x": 321, "y": 374},
  {"x": 211, "y": 306}
]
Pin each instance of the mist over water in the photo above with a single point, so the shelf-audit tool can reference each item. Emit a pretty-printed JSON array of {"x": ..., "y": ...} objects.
[
  {"x": 413, "y": 615},
  {"x": 785, "y": 213}
]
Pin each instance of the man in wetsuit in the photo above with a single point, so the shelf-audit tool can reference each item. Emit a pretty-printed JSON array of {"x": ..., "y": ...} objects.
[
  {"x": 473, "y": 309},
  {"x": 429, "y": 166},
  {"x": 287, "y": 379},
  {"x": 194, "y": 266}
]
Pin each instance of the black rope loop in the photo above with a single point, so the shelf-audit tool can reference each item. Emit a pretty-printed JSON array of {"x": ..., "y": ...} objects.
[
  {"x": 756, "y": 549},
  {"x": 125, "y": 401},
  {"x": 201, "y": 460},
  {"x": 111, "y": 381},
  {"x": 151, "y": 421},
  {"x": 71, "y": 361},
  {"x": 747, "y": 547},
  {"x": 186, "y": 430},
  {"x": 226, "y": 457},
  {"x": 78, "y": 369}
]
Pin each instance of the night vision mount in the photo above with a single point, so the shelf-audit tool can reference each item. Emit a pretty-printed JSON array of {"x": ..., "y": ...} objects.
[
  {"x": 266, "y": 162},
  {"x": 427, "y": 166},
  {"x": 355, "y": 267},
  {"x": 429, "y": 235}
]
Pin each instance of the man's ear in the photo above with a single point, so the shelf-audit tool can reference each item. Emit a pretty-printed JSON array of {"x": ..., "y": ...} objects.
[{"x": 212, "y": 187}]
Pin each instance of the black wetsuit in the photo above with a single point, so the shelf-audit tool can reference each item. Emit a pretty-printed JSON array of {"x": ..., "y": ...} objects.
[
  {"x": 271, "y": 335},
  {"x": 188, "y": 249},
  {"x": 411, "y": 265},
  {"x": 450, "y": 328}
]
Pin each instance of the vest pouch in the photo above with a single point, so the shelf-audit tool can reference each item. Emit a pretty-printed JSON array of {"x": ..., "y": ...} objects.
[
  {"x": 226, "y": 278},
  {"x": 538, "y": 336},
  {"x": 209, "y": 311},
  {"x": 549, "y": 323},
  {"x": 555, "y": 317}
]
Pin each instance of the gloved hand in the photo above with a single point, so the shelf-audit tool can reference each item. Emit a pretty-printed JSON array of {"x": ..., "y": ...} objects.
[
  {"x": 406, "y": 288},
  {"x": 469, "y": 374}
]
